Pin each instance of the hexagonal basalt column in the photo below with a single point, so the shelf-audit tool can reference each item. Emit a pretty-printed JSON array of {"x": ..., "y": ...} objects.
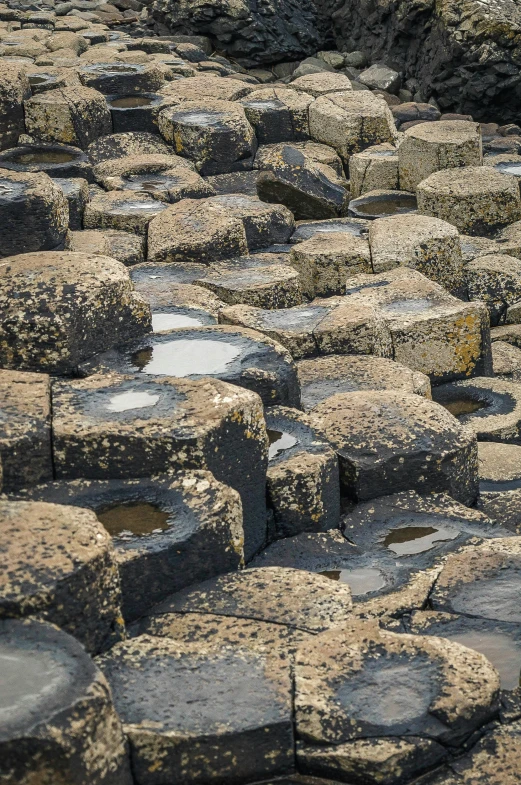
[
  {"x": 214, "y": 134},
  {"x": 239, "y": 356},
  {"x": 491, "y": 408},
  {"x": 79, "y": 304},
  {"x": 196, "y": 231},
  {"x": 72, "y": 115},
  {"x": 351, "y": 121},
  {"x": 426, "y": 244},
  {"x": 122, "y": 78},
  {"x": 374, "y": 169},
  {"x": 294, "y": 598},
  {"x": 431, "y": 147},
  {"x": 326, "y": 260},
  {"x": 25, "y": 429},
  {"x": 58, "y": 720},
  {"x": 127, "y": 211},
  {"x": 478, "y": 200},
  {"x": 168, "y": 532},
  {"x": 278, "y": 114},
  {"x": 303, "y": 482},
  {"x": 373, "y": 706},
  {"x": 500, "y": 483},
  {"x": 34, "y": 213},
  {"x": 309, "y": 188},
  {"x": 321, "y": 377},
  {"x": 482, "y": 582},
  {"x": 390, "y": 441},
  {"x": 128, "y": 143},
  {"x": 121, "y": 427},
  {"x": 431, "y": 331},
  {"x": 62, "y": 569},
  {"x": 495, "y": 279},
  {"x": 239, "y": 727},
  {"x": 14, "y": 89},
  {"x": 329, "y": 326}
]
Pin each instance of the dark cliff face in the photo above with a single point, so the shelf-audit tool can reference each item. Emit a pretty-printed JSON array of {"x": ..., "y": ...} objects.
[
  {"x": 253, "y": 32},
  {"x": 465, "y": 55}
]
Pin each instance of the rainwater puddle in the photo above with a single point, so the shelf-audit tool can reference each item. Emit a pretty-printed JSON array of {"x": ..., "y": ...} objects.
[
  {"x": 408, "y": 540},
  {"x": 503, "y": 652},
  {"x": 28, "y": 677},
  {"x": 125, "y": 521},
  {"x": 131, "y": 102},
  {"x": 279, "y": 442},
  {"x": 44, "y": 157},
  {"x": 361, "y": 580},
  {"x": 150, "y": 183},
  {"x": 132, "y": 399},
  {"x": 380, "y": 207},
  {"x": 509, "y": 168},
  {"x": 462, "y": 406},
  {"x": 170, "y": 321},
  {"x": 186, "y": 357}
]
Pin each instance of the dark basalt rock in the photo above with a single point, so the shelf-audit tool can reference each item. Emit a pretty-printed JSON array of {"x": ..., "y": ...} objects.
[
  {"x": 465, "y": 58},
  {"x": 251, "y": 34}
]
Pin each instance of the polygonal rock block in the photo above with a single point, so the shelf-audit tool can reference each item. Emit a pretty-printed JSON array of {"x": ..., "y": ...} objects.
[
  {"x": 205, "y": 87},
  {"x": 214, "y": 134},
  {"x": 239, "y": 356},
  {"x": 374, "y": 169},
  {"x": 56, "y": 160},
  {"x": 427, "y": 244},
  {"x": 322, "y": 84},
  {"x": 389, "y": 441},
  {"x": 34, "y": 214},
  {"x": 506, "y": 360},
  {"x": 499, "y": 642},
  {"x": 491, "y": 408},
  {"x": 127, "y": 247},
  {"x": 127, "y": 144},
  {"x": 415, "y": 531},
  {"x": 76, "y": 191},
  {"x": 478, "y": 200},
  {"x": 380, "y": 77},
  {"x": 58, "y": 720},
  {"x": 431, "y": 147},
  {"x": 261, "y": 280},
  {"x": 127, "y": 211},
  {"x": 382, "y": 204},
  {"x": 109, "y": 427},
  {"x": 219, "y": 632},
  {"x": 277, "y": 115},
  {"x": 25, "y": 429},
  {"x": 62, "y": 569},
  {"x": 351, "y": 121},
  {"x": 500, "y": 483},
  {"x": 321, "y": 377},
  {"x": 264, "y": 224},
  {"x": 239, "y": 728},
  {"x": 72, "y": 115},
  {"x": 303, "y": 482},
  {"x": 350, "y": 725},
  {"x": 196, "y": 231},
  {"x": 135, "y": 112},
  {"x": 329, "y": 326},
  {"x": 493, "y": 759},
  {"x": 168, "y": 532},
  {"x": 431, "y": 331},
  {"x": 14, "y": 90},
  {"x": 495, "y": 279},
  {"x": 122, "y": 78},
  {"x": 481, "y": 581},
  {"x": 79, "y": 304},
  {"x": 292, "y": 177},
  {"x": 293, "y": 598},
  {"x": 325, "y": 261}
]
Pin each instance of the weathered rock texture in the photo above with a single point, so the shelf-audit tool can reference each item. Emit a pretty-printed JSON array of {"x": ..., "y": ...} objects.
[{"x": 465, "y": 55}]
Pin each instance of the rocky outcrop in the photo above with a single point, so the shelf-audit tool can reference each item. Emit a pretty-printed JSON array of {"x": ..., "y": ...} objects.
[
  {"x": 250, "y": 31},
  {"x": 466, "y": 55}
]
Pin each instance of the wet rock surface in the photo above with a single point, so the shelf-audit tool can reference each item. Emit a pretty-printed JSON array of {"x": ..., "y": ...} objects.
[{"x": 260, "y": 361}]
